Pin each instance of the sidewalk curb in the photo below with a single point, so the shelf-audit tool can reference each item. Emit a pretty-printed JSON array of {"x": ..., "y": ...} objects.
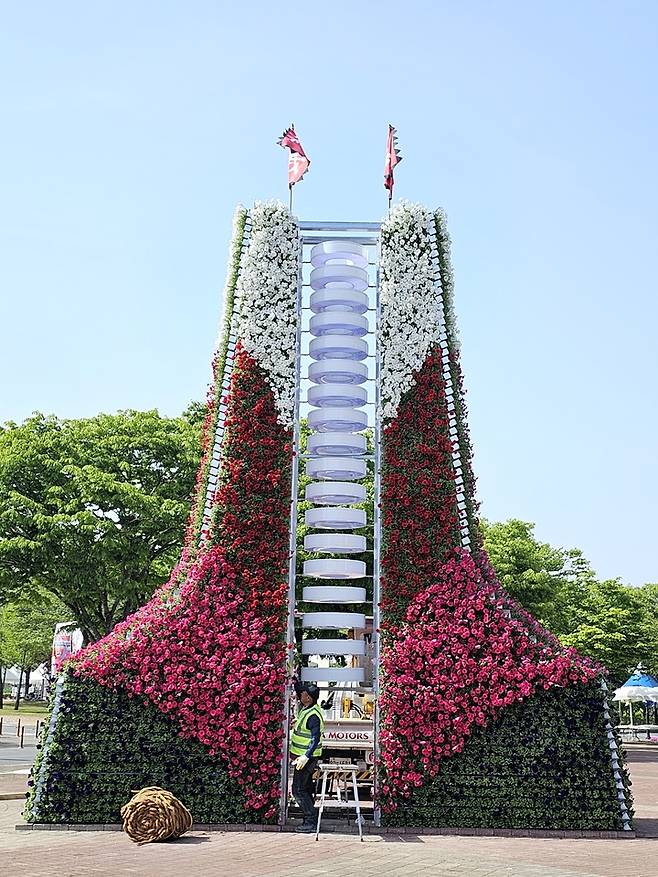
[{"x": 368, "y": 830}]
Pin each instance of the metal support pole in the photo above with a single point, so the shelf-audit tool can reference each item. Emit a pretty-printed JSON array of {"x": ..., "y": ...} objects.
[
  {"x": 228, "y": 333},
  {"x": 292, "y": 556},
  {"x": 366, "y": 234},
  {"x": 377, "y": 537},
  {"x": 458, "y": 457},
  {"x": 339, "y": 226}
]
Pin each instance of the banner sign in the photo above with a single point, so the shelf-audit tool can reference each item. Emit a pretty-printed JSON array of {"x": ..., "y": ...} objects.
[{"x": 62, "y": 649}]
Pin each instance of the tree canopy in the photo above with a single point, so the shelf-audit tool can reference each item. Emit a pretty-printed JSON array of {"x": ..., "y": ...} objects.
[
  {"x": 606, "y": 620},
  {"x": 26, "y": 633},
  {"x": 26, "y": 630},
  {"x": 529, "y": 570},
  {"x": 93, "y": 511}
]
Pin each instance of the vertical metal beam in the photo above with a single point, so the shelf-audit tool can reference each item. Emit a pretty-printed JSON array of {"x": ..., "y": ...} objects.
[
  {"x": 458, "y": 457},
  {"x": 229, "y": 332},
  {"x": 316, "y": 225},
  {"x": 307, "y": 239},
  {"x": 292, "y": 549},
  {"x": 377, "y": 536}
]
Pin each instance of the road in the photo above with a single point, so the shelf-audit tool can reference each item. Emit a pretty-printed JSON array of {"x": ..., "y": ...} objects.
[{"x": 15, "y": 762}]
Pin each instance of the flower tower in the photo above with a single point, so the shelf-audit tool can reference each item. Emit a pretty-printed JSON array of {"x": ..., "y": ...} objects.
[{"x": 336, "y": 417}]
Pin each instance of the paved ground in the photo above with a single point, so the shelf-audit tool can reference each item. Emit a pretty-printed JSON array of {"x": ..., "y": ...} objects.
[
  {"x": 69, "y": 854},
  {"x": 74, "y": 854},
  {"x": 643, "y": 763},
  {"x": 15, "y": 763}
]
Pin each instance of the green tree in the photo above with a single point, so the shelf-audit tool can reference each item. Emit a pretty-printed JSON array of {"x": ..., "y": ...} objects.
[
  {"x": 648, "y": 597},
  {"x": 611, "y": 627},
  {"x": 572, "y": 589},
  {"x": 93, "y": 511},
  {"x": 608, "y": 621},
  {"x": 6, "y": 656},
  {"x": 26, "y": 631},
  {"x": 530, "y": 571}
]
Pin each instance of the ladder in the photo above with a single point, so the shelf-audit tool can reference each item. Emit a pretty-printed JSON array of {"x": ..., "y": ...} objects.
[{"x": 340, "y": 771}]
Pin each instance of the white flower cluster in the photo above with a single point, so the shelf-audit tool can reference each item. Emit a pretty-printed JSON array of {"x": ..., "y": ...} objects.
[
  {"x": 411, "y": 316},
  {"x": 267, "y": 293}
]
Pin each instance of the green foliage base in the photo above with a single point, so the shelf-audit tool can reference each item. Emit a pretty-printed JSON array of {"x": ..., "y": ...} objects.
[
  {"x": 543, "y": 764},
  {"x": 106, "y": 745}
]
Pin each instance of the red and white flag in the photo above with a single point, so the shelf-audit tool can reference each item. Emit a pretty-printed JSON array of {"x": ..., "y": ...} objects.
[
  {"x": 298, "y": 163},
  {"x": 393, "y": 157}
]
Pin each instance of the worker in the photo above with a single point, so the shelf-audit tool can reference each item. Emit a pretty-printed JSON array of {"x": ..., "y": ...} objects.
[{"x": 305, "y": 750}]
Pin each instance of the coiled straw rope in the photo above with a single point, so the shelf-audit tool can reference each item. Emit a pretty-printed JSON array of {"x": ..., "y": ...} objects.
[{"x": 154, "y": 814}]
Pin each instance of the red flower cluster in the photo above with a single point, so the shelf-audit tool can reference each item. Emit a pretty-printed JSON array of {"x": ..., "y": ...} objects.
[
  {"x": 456, "y": 649},
  {"x": 212, "y": 654},
  {"x": 252, "y": 505},
  {"x": 418, "y": 499},
  {"x": 459, "y": 659}
]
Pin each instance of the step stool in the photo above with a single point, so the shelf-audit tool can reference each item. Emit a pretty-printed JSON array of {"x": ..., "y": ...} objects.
[{"x": 337, "y": 770}]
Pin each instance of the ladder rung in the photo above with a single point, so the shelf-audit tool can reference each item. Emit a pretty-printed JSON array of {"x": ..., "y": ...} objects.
[{"x": 330, "y": 802}]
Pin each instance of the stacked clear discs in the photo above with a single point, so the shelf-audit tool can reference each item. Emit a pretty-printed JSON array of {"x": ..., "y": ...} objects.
[{"x": 339, "y": 301}]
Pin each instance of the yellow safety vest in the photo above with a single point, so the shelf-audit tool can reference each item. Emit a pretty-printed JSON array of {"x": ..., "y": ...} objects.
[{"x": 301, "y": 736}]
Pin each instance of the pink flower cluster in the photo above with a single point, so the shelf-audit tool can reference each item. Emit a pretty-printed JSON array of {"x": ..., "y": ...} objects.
[
  {"x": 211, "y": 654},
  {"x": 459, "y": 659},
  {"x": 418, "y": 497},
  {"x": 208, "y": 662}
]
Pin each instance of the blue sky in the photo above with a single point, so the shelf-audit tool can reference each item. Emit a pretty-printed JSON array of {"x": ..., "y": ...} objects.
[{"x": 130, "y": 131}]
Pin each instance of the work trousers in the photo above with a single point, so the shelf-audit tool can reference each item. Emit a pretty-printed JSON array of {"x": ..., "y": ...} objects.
[{"x": 303, "y": 789}]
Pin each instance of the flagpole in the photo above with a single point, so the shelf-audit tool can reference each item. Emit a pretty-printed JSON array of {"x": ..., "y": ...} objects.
[
  {"x": 298, "y": 162},
  {"x": 292, "y": 126},
  {"x": 392, "y": 158}
]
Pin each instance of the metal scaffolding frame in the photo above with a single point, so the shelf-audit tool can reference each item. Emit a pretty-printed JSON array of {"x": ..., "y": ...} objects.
[{"x": 310, "y": 233}]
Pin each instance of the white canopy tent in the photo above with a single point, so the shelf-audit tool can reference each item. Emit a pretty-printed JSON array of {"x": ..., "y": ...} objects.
[
  {"x": 37, "y": 676},
  {"x": 641, "y": 687}
]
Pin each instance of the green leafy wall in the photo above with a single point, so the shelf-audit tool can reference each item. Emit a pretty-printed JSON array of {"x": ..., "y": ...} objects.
[
  {"x": 107, "y": 744},
  {"x": 542, "y": 764}
]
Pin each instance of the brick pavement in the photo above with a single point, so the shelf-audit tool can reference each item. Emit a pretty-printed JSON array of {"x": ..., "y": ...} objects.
[
  {"x": 643, "y": 764},
  {"x": 252, "y": 854}
]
